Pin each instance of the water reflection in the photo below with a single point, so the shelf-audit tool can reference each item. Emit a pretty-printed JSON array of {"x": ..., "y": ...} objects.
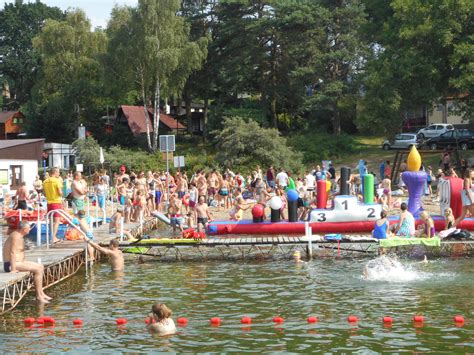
[{"x": 327, "y": 288}]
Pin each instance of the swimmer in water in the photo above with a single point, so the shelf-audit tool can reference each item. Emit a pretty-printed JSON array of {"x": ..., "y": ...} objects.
[
  {"x": 297, "y": 257},
  {"x": 159, "y": 320},
  {"x": 113, "y": 252}
]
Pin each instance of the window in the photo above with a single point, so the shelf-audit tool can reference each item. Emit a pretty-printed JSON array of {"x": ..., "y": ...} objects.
[
  {"x": 399, "y": 137},
  {"x": 15, "y": 120},
  {"x": 439, "y": 128},
  {"x": 20, "y": 120},
  {"x": 449, "y": 127},
  {"x": 432, "y": 127},
  {"x": 447, "y": 135}
]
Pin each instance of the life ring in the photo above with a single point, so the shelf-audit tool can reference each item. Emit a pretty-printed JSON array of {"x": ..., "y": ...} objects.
[{"x": 185, "y": 200}]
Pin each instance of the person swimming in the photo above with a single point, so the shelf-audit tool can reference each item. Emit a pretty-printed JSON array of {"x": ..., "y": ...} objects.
[{"x": 159, "y": 320}]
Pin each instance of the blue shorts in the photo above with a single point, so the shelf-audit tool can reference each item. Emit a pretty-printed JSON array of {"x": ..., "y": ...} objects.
[
  {"x": 101, "y": 201},
  {"x": 181, "y": 194},
  {"x": 122, "y": 200},
  {"x": 157, "y": 197},
  {"x": 176, "y": 221}
]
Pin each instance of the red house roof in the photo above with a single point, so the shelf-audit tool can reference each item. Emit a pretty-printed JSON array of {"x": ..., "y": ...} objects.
[
  {"x": 6, "y": 115},
  {"x": 136, "y": 119}
]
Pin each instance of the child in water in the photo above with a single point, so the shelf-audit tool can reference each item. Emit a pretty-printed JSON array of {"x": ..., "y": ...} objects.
[{"x": 159, "y": 321}]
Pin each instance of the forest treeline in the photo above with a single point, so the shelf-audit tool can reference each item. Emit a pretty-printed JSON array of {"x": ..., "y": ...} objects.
[{"x": 319, "y": 65}]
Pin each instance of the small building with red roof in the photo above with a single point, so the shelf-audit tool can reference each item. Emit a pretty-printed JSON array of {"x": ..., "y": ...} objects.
[
  {"x": 11, "y": 124},
  {"x": 134, "y": 117}
]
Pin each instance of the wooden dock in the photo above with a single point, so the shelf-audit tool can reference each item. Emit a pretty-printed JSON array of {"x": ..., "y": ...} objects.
[{"x": 60, "y": 262}]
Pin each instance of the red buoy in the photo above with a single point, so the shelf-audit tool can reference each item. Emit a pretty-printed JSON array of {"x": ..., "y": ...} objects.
[
  {"x": 29, "y": 321},
  {"x": 49, "y": 320},
  {"x": 278, "y": 319},
  {"x": 352, "y": 319},
  {"x": 182, "y": 321},
  {"x": 459, "y": 319},
  {"x": 418, "y": 319},
  {"x": 246, "y": 320},
  {"x": 121, "y": 321},
  {"x": 312, "y": 319},
  {"x": 77, "y": 322},
  {"x": 215, "y": 321},
  {"x": 387, "y": 320},
  {"x": 40, "y": 320}
]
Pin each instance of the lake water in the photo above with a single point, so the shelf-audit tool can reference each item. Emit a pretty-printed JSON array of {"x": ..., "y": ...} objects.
[{"x": 330, "y": 289}]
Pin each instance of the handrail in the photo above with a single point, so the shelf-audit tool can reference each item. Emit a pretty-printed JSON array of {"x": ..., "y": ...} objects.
[{"x": 67, "y": 217}]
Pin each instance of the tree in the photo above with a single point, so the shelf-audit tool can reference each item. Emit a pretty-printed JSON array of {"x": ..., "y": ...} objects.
[
  {"x": 422, "y": 53},
  {"x": 244, "y": 144},
  {"x": 19, "y": 62},
  {"x": 150, "y": 46},
  {"x": 70, "y": 87}
]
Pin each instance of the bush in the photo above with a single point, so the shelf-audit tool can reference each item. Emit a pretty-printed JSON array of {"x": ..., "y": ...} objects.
[
  {"x": 322, "y": 146},
  {"x": 244, "y": 144}
]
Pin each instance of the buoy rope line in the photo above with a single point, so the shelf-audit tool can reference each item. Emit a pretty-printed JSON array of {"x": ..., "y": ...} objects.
[{"x": 216, "y": 321}]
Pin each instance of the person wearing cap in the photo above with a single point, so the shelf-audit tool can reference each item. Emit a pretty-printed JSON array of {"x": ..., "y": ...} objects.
[{"x": 297, "y": 257}]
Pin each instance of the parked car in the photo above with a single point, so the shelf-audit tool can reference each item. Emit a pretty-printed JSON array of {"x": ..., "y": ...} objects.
[
  {"x": 402, "y": 141},
  {"x": 460, "y": 138},
  {"x": 435, "y": 130}
]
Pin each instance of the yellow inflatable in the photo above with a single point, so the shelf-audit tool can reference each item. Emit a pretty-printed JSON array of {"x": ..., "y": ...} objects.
[{"x": 414, "y": 160}]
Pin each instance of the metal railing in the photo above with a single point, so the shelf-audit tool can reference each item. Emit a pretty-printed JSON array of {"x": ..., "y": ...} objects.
[{"x": 50, "y": 216}]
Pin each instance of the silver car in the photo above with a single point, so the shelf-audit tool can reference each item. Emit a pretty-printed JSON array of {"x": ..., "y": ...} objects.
[{"x": 402, "y": 141}]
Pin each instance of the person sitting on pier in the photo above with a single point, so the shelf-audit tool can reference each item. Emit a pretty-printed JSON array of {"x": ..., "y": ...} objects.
[
  {"x": 113, "y": 252},
  {"x": 14, "y": 260},
  {"x": 406, "y": 223},
  {"x": 160, "y": 321},
  {"x": 427, "y": 229},
  {"x": 381, "y": 227}
]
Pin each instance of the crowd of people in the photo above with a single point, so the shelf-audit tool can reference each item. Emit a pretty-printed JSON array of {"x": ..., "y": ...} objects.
[{"x": 192, "y": 200}]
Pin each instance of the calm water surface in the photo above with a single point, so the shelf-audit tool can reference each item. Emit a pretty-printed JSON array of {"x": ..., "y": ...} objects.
[{"x": 330, "y": 289}]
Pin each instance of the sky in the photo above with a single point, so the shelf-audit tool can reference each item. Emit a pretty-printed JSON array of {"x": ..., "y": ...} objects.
[{"x": 98, "y": 11}]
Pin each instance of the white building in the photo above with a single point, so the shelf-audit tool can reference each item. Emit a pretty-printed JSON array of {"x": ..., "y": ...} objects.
[
  {"x": 19, "y": 162},
  {"x": 59, "y": 155}
]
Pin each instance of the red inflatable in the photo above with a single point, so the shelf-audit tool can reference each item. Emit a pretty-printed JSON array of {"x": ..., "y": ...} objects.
[{"x": 366, "y": 227}]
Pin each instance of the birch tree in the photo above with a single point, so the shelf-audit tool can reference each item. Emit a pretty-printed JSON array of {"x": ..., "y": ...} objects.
[{"x": 150, "y": 46}]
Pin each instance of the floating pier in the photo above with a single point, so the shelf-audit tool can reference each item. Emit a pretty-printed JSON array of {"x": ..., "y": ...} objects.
[
  {"x": 283, "y": 247},
  {"x": 60, "y": 262}
]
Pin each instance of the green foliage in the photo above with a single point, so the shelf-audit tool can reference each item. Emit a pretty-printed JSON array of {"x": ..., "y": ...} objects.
[
  {"x": 70, "y": 89},
  {"x": 20, "y": 23},
  {"x": 321, "y": 146},
  {"x": 87, "y": 150},
  {"x": 150, "y": 48},
  {"x": 243, "y": 144}
]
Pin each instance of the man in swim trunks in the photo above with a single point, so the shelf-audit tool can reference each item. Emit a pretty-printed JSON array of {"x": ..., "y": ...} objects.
[
  {"x": 79, "y": 192},
  {"x": 21, "y": 197},
  {"x": 122, "y": 191},
  {"x": 203, "y": 215},
  {"x": 174, "y": 212},
  {"x": 53, "y": 190},
  {"x": 113, "y": 252},
  {"x": 14, "y": 260}
]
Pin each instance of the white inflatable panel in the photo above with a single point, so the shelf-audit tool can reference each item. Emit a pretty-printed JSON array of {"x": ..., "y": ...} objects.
[{"x": 347, "y": 209}]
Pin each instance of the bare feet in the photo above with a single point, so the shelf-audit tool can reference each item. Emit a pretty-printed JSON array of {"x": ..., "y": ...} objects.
[{"x": 42, "y": 300}]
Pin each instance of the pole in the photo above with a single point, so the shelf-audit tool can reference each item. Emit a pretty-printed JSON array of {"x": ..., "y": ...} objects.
[
  {"x": 19, "y": 214},
  {"x": 89, "y": 211},
  {"x": 96, "y": 211},
  {"x": 167, "y": 176},
  {"x": 141, "y": 222},
  {"x": 47, "y": 231},
  {"x": 38, "y": 228},
  {"x": 121, "y": 229}
]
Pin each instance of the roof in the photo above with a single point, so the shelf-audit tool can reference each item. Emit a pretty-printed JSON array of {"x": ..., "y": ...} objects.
[
  {"x": 23, "y": 149},
  {"x": 136, "y": 119},
  {"x": 6, "y": 115}
]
